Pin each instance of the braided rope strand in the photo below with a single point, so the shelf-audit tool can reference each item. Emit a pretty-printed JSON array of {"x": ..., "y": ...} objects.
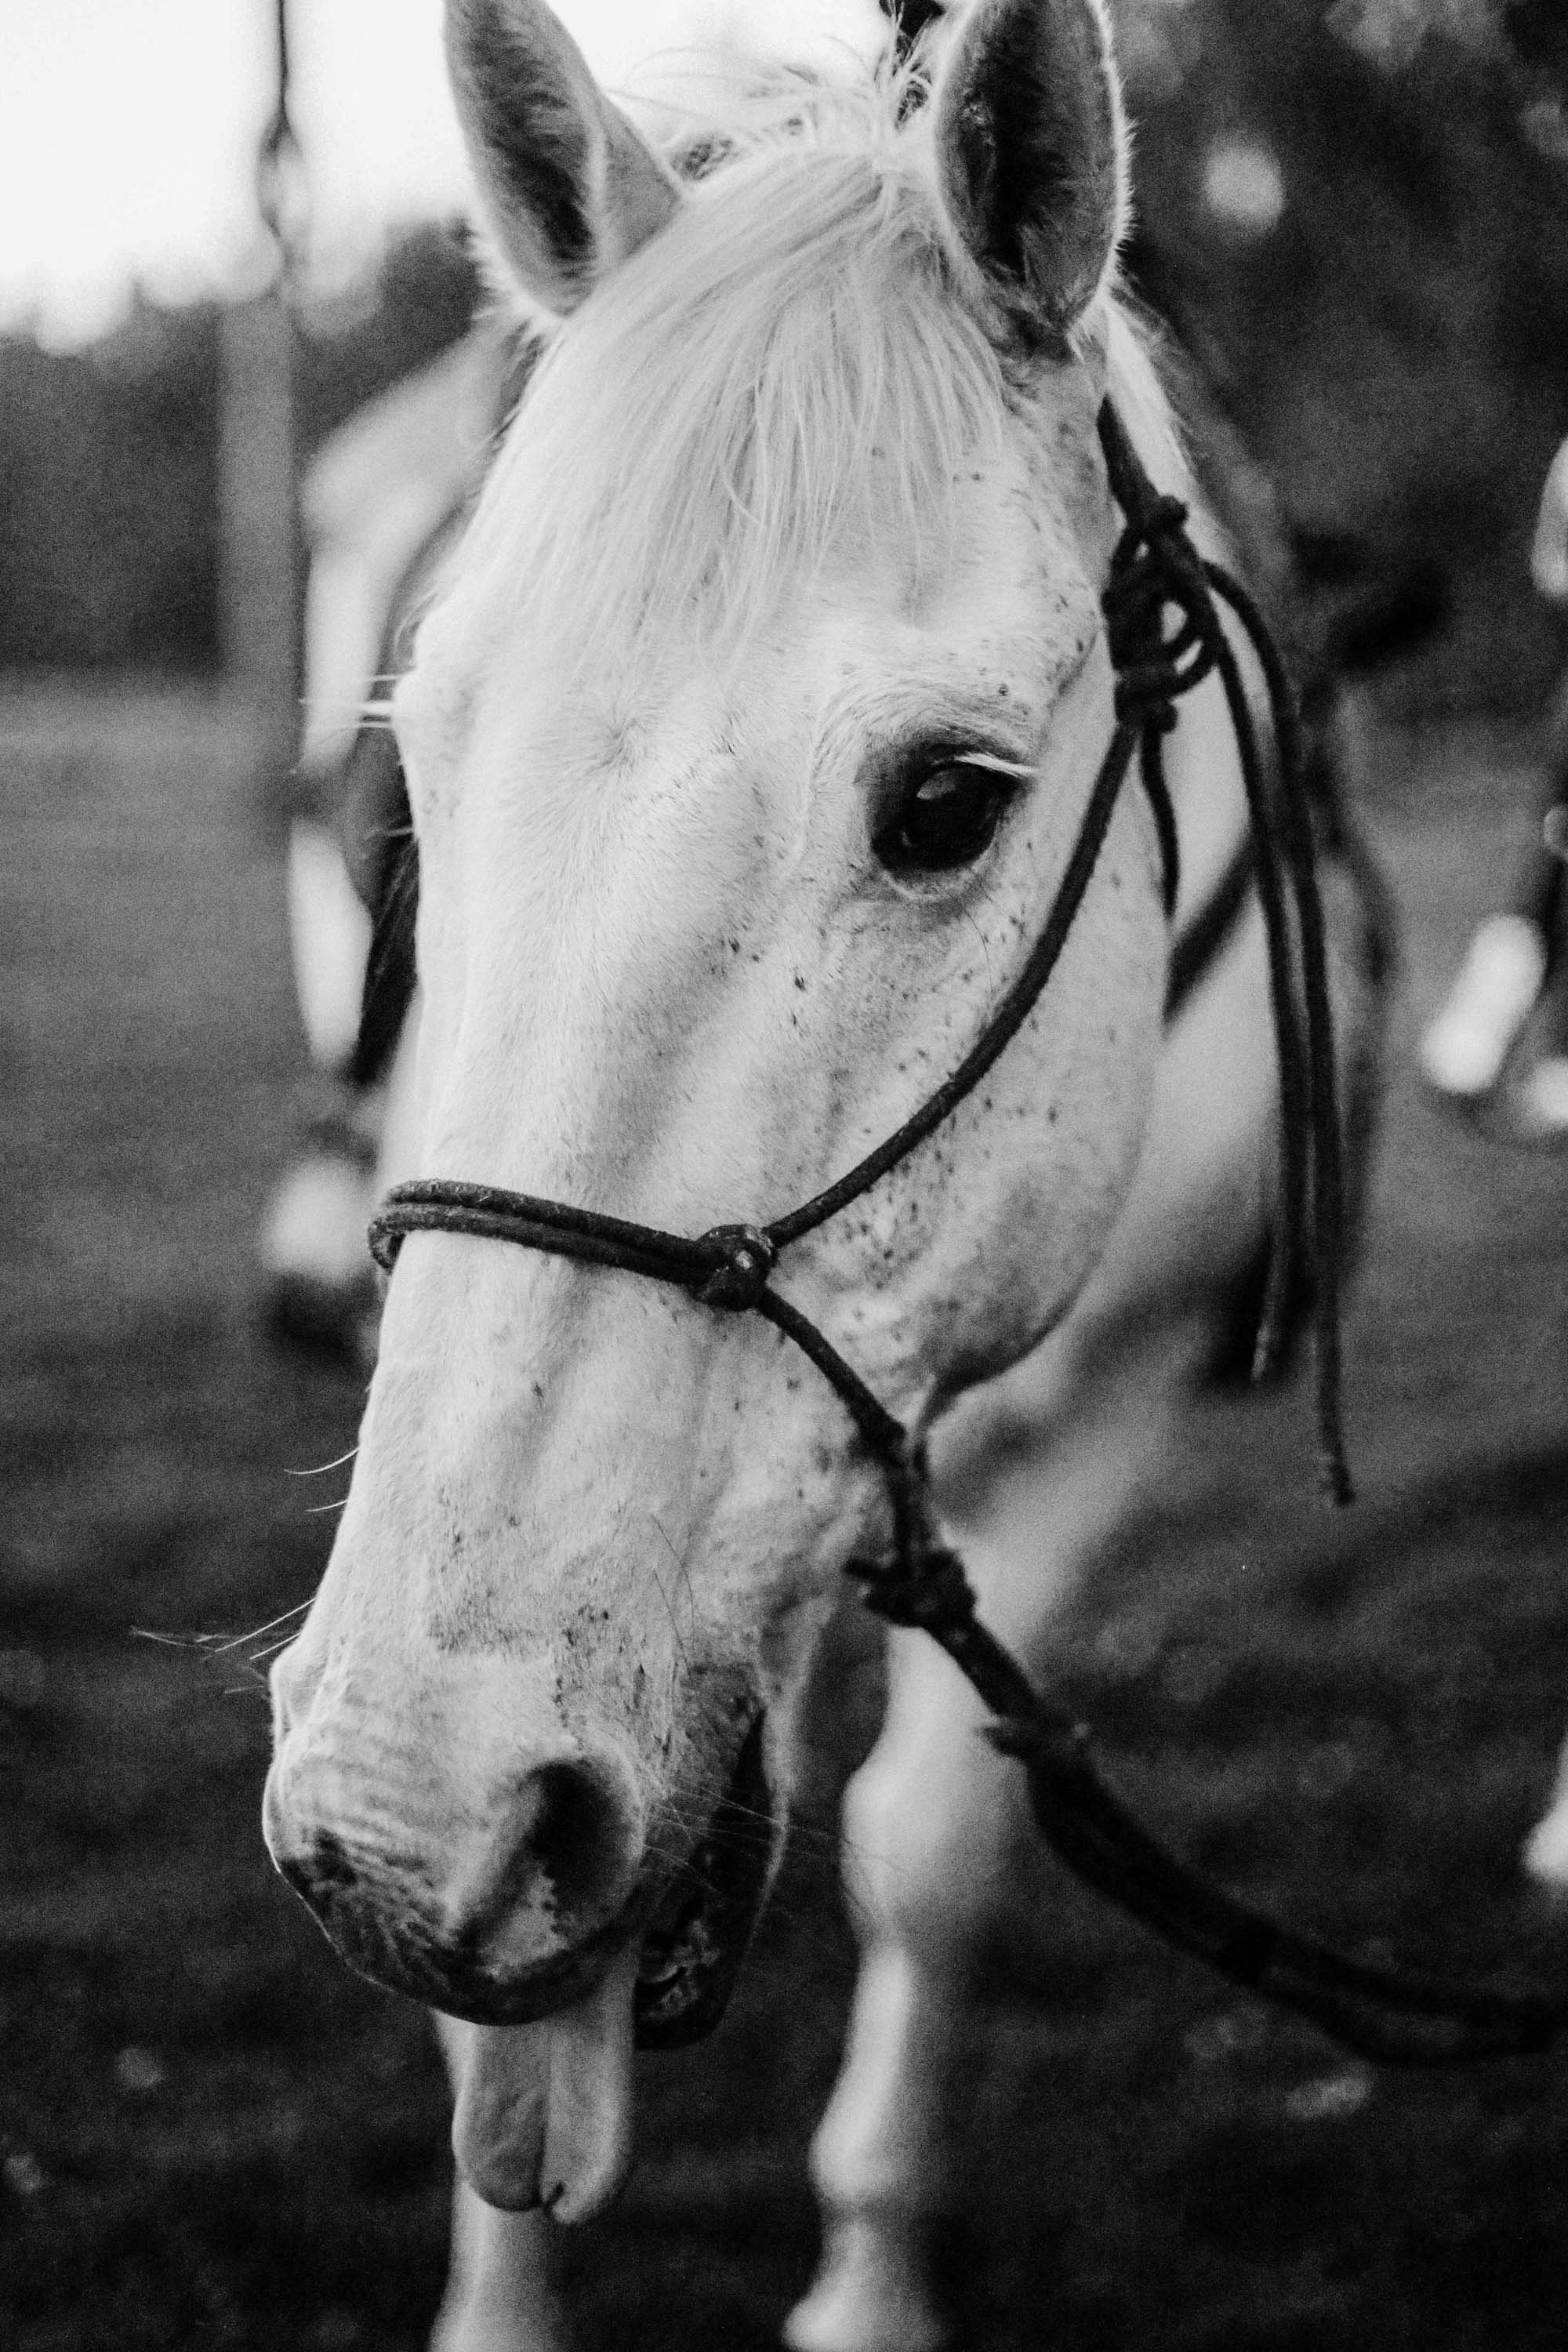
[{"x": 1327, "y": 1144}]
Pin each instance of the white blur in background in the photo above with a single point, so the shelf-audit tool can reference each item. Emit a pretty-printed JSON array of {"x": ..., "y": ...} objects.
[
  {"x": 129, "y": 129},
  {"x": 1244, "y": 187}
]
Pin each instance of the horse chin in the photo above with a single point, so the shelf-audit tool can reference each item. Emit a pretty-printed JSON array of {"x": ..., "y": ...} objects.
[{"x": 698, "y": 1933}]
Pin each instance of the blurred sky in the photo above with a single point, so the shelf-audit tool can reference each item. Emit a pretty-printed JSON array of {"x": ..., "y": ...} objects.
[{"x": 128, "y": 129}]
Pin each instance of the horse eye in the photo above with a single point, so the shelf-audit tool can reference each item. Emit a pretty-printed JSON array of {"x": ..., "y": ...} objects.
[{"x": 947, "y": 820}]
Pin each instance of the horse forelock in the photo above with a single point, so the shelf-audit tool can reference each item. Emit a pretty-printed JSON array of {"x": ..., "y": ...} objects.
[{"x": 786, "y": 370}]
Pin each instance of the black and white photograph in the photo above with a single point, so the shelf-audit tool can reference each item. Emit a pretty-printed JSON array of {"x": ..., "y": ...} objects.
[{"x": 783, "y": 1091}]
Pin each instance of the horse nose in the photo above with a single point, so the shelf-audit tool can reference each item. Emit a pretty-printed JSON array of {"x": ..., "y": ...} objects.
[{"x": 435, "y": 1896}]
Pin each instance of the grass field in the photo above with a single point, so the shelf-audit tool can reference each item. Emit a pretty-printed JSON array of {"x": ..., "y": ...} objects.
[{"x": 211, "y": 2136}]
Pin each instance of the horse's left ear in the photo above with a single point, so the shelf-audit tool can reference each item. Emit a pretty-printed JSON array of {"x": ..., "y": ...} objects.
[
  {"x": 1031, "y": 156},
  {"x": 570, "y": 186}
]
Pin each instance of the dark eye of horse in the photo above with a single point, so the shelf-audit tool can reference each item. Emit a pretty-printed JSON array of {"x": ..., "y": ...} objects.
[{"x": 947, "y": 820}]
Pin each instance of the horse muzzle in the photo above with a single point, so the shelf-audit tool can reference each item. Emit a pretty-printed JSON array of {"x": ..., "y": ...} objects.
[
  {"x": 490, "y": 1872},
  {"x": 504, "y": 1899}
]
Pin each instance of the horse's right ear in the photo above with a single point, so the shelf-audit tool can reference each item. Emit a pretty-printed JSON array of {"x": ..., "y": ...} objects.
[
  {"x": 1031, "y": 156},
  {"x": 569, "y": 186}
]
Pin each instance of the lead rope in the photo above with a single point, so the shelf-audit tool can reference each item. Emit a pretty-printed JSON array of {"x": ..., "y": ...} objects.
[
  {"x": 1384, "y": 2014},
  {"x": 1156, "y": 565}
]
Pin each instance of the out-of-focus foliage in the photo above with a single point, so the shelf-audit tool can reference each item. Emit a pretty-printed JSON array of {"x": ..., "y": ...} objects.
[
  {"x": 110, "y": 518},
  {"x": 109, "y": 552},
  {"x": 1357, "y": 213}
]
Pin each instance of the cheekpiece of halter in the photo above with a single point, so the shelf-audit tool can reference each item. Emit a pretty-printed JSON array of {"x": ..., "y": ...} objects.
[
  {"x": 746, "y": 1257},
  {"x": 1156, "y": 566}
]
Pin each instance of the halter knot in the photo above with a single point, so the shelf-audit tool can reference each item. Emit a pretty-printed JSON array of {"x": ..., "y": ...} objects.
[
  {"x": 1147, "y": 697},
  {"x": 1155, "y": 568},
  {"x": 745, "y": 1257},
  {"x": 1161, "y": 518},
  {"x": 931, "y": 1591}
]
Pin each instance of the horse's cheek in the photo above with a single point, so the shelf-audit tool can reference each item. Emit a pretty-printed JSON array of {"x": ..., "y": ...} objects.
[{"x": 1039, "y": 1180}]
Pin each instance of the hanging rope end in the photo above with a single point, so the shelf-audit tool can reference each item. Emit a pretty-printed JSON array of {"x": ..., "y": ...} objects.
[
  {"x": 1334, "y": 1476},
  {"x": 1268, "y": 1354}
]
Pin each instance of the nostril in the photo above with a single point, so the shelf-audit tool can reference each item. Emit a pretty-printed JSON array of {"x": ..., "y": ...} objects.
[
  {"x": 313, "y": 1859},
  {"x": 566, "y": 1852},
  {"x": 577, "y": 1835}
]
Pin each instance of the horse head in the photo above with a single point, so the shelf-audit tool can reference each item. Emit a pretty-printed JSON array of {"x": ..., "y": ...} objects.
[{"x": 747, "y": 745}]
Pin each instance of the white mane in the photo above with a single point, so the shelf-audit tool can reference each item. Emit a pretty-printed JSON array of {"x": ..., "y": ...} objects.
[{"x": 785, "y": 368}]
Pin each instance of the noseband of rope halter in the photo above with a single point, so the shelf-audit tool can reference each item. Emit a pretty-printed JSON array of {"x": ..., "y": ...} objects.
[{"x": 1155, "y": 572}]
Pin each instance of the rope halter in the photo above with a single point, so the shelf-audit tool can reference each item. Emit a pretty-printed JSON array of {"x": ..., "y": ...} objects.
[{"x": 1163, "y": 607}]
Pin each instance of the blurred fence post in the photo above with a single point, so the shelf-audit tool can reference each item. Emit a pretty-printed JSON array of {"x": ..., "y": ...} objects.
[
  {"x": 262, "y": 578},
  {"x": 263, "y": 538}
]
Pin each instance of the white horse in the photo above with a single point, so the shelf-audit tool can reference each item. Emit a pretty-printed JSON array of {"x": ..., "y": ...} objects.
[{"x": 746, "y": 746}]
